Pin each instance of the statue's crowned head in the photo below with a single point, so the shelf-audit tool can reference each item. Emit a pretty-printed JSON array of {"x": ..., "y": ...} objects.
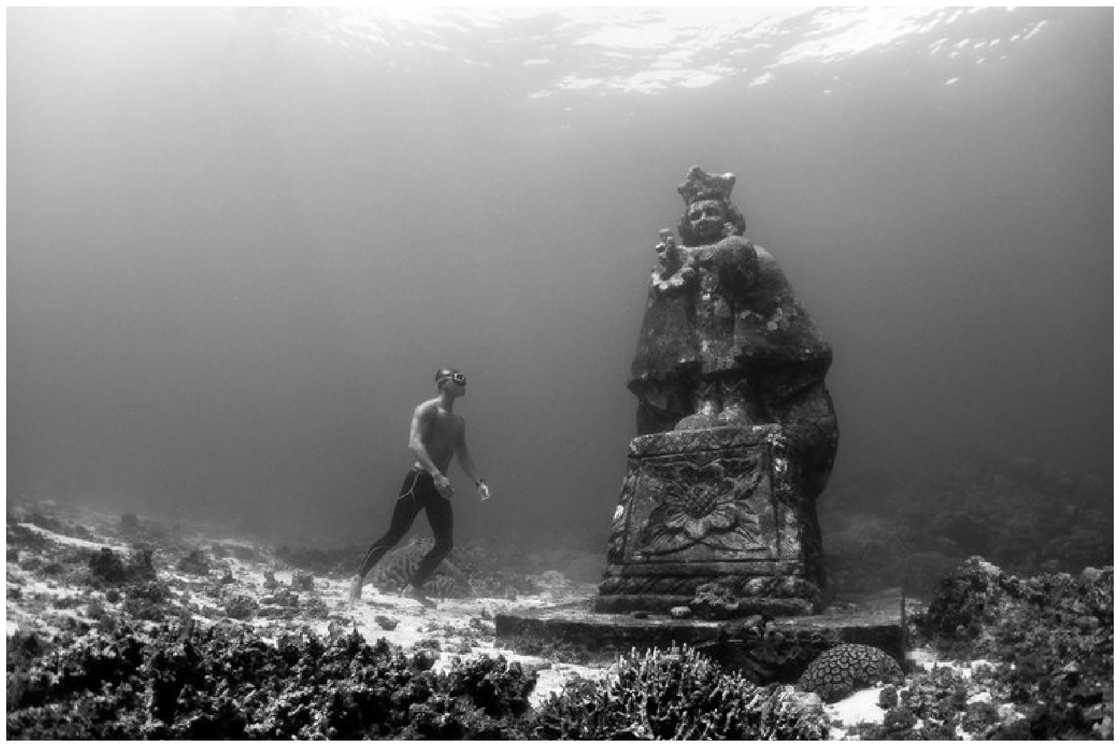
[{"x": 709, "y": 214}]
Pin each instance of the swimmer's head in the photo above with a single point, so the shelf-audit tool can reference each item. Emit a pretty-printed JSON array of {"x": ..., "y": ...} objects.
[{"x": 451, "y": 377}]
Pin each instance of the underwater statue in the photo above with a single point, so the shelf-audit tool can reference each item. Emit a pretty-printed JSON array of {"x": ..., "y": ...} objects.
[
  {"x": 684, "y": 372},
  {"x": 736, "y": 430}
]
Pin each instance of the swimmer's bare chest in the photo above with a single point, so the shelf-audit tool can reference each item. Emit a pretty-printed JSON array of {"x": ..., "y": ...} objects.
[{"x": 440, "y": 432}]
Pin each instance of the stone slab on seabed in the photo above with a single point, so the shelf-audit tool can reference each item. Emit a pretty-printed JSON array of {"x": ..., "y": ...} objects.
[{"x": 873, "y": 619}]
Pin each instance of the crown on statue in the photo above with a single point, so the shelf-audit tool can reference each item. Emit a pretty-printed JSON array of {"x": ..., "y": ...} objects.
[{"x": 699, "y": 184}]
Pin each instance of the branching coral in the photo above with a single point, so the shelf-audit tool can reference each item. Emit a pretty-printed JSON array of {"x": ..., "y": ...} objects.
[
  {"x": 678, "y": 694},
  {"x": 226, "y": 682}
]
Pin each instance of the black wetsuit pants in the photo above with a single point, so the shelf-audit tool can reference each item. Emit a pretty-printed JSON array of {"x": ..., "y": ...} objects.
[{"x": 417, "y": 492}]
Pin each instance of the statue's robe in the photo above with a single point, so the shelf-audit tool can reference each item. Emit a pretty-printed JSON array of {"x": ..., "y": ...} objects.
[
  {"x": 739, "y": 319},
  {"x": 667, "y": 360},
  {"x": 785, "y": 359}
]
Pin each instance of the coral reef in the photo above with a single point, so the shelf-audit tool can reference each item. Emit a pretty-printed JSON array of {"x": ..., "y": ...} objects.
[
  {"x": 971, "y": 599},
  {"x": 1018, "y": 658},
  {"x": 843, "y": 669},
  {"x": 226, "y": 682},
  {"x": 678, "y": 694},
  {"x": 241, "y": 606},
  {"x": 937, "y": 705},
  {"x": 196, "y": 563},
  {"x": 62, "y": 588},
  {"x": 106, "y": 568},
  {"x": 303, "y": 581},
  {"x": 113, "y": 641},
  {"x": 148, "y": 600}
]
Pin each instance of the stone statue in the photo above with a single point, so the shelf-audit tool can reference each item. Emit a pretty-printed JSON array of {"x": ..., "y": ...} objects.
[
  {"x": 736, "y": 430},
  {"x": 724, "y": 341}
]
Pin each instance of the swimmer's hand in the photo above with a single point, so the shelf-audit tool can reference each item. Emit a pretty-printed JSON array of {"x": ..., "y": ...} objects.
[
  {"x": 443, "y": 486},
  {"x": 483, "y": 491}
]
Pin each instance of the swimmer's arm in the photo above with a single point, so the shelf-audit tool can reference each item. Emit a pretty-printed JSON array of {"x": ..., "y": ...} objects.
[
  {"x": 467, "y": 463},
  {"x": 416, "y": 443},
  {"x": 463, "y": 455}
]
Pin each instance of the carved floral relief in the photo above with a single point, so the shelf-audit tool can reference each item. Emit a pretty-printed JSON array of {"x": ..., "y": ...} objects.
[{"x": 708, "y": 504}]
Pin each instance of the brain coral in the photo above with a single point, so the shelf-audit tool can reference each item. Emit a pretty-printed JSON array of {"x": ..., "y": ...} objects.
[{"x": 839, "y": 671}]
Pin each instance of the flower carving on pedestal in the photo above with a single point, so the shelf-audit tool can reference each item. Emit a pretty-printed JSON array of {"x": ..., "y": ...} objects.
[{"x": 703, "y": 505}]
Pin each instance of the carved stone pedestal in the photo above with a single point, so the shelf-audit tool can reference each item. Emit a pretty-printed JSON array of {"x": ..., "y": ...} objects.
[{"x": 717, "y": 507}]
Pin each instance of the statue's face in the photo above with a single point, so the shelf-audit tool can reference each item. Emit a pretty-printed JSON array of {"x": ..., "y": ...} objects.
[{"x": 707, "y": 218}]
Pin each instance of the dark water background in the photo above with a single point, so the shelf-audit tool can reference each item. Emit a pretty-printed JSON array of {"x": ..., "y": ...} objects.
[{"x": 239, "y": 244}]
